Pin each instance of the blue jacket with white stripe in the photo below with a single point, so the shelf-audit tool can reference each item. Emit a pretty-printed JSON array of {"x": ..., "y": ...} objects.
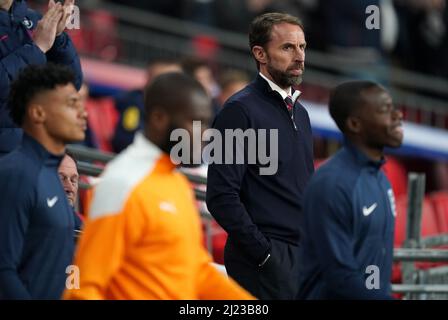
[
  {"x": 36, "y": 224},
  {"x": 349, "y": 219}
]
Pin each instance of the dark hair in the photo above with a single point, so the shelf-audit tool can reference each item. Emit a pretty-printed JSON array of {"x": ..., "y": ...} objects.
[
  {"x": 170, "y": 91},
  {"x": 261, "y": 27},
  {"x": 345, "y": 98},
  {"x": 33, "y": 80}
]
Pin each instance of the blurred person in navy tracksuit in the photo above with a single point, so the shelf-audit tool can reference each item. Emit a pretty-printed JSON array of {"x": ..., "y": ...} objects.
[
  {"x": 36, "y": 219},
  {"x": 349, "y": 207}
]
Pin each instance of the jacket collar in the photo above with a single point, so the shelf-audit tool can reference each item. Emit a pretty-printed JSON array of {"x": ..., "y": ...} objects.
[
  {"x": 38, "y": 152},
  {"x": 148, "y": 151},
  {"x": 361, "y": 158},
  {"x": 294, "y": 94}
]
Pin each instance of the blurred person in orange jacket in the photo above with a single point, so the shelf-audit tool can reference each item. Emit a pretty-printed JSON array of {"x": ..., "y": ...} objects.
[{"x": 142, "y": 238}]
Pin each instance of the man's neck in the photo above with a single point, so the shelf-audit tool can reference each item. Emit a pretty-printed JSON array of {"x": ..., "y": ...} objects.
[
  {"x": 50, "y": 144},
  {"x": 268, "y": 76},
  {"x": 372, "y": 153},
  {"x": 6, "y": 5},
  {"x": 274, "y": 86}
]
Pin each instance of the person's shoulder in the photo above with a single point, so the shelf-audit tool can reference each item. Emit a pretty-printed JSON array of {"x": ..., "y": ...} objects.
[
  {"x": 336, "y": 173},
  {"x": 121, "y": 179},
  {"x": 33, "y": 15},
  {"x": 17, "y": 171},
  {"x": 131, "y": 97},
  {"x": 240, "y": 101},
  {"x": 18, "y": 162},
  {"x": 243, "y": 97}
]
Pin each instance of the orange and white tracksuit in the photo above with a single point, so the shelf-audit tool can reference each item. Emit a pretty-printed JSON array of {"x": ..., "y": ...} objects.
[{"x": 143, "y": 238}]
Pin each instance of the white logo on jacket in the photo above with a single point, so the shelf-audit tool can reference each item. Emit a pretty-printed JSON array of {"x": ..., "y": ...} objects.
[
  {"x": 368, "y": 210},
  {"x": 51, "y": 202},
  {"x": 168, "y": 207},
  {"x": 390, "y": 193}
]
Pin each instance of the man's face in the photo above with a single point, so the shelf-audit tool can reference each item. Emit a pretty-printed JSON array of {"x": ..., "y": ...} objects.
[
  {"x": 5, "y": 3},
  {"x": 69, "y": 178},
  {"x": 285, "y": 55},
  {"x": 380, "y": 121},
  {"x": 84, "y": 93},
  {"x": 65, "y": 115},
  {"x": 198, "y": 108}
]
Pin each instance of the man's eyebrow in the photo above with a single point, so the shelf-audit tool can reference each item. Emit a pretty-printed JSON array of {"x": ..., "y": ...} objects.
[{"x": 73, "y": 98}]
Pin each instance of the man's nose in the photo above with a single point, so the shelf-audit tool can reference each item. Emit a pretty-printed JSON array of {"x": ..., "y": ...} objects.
[
  {"x": 83, "y": 111},
  {"x": 300, "y": 54},
  {"x": 69, "y": 186},
  {"x": 397, "y": 114}
]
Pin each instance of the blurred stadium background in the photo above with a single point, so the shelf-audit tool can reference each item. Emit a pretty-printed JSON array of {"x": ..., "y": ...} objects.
[{"x": 408, "y": 54}]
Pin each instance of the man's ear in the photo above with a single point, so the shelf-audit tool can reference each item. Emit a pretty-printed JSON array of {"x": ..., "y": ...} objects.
[
  {"x": 260, "y": 54},
  {"x": 36, "y": 113},
  {"x": 353, "y": 124}
]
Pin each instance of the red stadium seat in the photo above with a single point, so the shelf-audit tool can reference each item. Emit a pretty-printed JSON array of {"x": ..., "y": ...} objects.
[
  {"x": 429, "y": 225},
  {"x": 98, "y": 35},
  {"x": 440, "y": 203},
  {"x": 219, "y": 238},
  {"x": 397, "y": 175},
  {"x": 102, "y": 120}
]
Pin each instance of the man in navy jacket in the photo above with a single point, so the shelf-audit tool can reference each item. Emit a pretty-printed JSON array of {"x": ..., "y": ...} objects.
[
  {"x": 349, "y": 210},
  {"x": 27, "y": 38},
  {"x": 260, "y": 212},
  {"x": 36, "y": 220}
]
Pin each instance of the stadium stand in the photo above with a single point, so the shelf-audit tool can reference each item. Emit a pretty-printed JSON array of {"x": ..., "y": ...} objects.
[{"x": 117, "y": 41}]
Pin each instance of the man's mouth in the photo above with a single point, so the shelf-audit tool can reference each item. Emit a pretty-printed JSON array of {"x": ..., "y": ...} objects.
[
  {"x": 296, "y": 71},
  {"x": 398, "y": 129},
  {"x": 83, "y": 126}
]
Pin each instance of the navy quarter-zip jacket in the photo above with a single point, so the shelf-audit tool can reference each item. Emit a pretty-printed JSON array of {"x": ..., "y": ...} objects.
[
  {"x": 349, "y": 219},
  {"x": 36, "y": 224},
  {"x": 253, "y": 207}
]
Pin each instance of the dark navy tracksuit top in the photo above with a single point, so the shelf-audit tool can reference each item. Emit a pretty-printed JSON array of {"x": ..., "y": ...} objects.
[
  {"x": 253, "y": 207},
  {"x": 349, "y": 218},
  {"x": 130, "y": 107},
  {"x": 17, "y": 50},
  {"x": 36, "y": 224}
]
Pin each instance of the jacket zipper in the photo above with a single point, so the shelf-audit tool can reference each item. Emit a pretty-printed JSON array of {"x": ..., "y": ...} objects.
[
  {"x": 291, "y": 117},
  {"x": 293, "y": 122}
]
